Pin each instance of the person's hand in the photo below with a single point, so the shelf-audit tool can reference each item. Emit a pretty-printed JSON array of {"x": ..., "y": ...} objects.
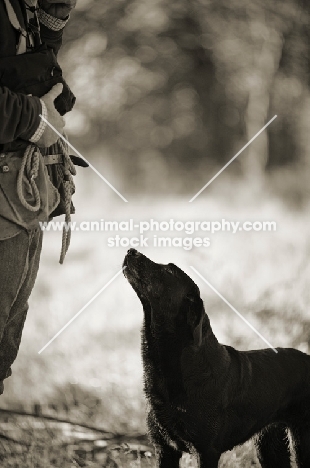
[
  {"x": 50, "y": 137},
  {"x": 58, "y": 8}
]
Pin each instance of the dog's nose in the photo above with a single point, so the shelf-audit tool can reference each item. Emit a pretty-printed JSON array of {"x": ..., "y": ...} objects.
[{"x": 132, "y": 252}]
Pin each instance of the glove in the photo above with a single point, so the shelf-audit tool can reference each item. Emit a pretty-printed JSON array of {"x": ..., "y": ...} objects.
[{"x": 49, "y": 137}]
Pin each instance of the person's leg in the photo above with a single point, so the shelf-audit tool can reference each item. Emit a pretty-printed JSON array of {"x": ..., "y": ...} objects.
[{"x": 19, "y": 264}]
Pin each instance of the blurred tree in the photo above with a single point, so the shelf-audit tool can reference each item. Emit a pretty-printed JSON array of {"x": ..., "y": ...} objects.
[{"x": 170, "y": 85}]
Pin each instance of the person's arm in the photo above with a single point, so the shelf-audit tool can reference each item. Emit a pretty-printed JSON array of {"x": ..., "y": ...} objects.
[
  {"x": 19, "y": 115},
  {"x": 51, "y": 30},
  {"x": 53, "y": 16}
]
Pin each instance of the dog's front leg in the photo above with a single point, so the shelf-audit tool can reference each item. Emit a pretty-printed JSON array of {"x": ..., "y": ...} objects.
[
  {"x": 207, "y": 459},
  {"x": 167, "y": 457}
]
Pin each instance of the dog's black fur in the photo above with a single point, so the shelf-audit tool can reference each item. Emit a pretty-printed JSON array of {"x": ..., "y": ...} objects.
[{"x": 205, "y": 398}]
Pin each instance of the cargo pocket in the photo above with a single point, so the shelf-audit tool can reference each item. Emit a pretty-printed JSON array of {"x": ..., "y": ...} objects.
[{"x": 11, "y": 207}]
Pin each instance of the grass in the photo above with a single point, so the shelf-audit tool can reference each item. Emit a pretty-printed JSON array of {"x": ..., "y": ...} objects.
[
  {"x": 92, "y": 372},
  {"x": 48, "y": 450}
]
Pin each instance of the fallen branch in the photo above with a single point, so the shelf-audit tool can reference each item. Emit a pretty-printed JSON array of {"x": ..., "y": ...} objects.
[{"x": 107, "y": 434}]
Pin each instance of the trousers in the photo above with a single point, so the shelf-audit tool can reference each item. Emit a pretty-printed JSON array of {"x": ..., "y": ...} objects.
[{"x": 19, "y": 264}]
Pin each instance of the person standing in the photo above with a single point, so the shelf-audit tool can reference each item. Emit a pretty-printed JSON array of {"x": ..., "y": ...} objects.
[{"x": 35, "y": 169}]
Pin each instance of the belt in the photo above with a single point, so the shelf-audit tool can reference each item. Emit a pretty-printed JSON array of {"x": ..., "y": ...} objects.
[
  {"x": 7, "y": 153},
  {"x": 59, "y": 159},
  {"x": 50, "y": 158},
  {"x": 53, "y": 159}
]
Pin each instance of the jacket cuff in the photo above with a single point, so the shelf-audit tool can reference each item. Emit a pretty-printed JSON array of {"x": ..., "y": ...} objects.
[
  {"x": 51, "y": 22},
  {"x": 36, "y": 109},
  {"x": 42, "y": 126}
]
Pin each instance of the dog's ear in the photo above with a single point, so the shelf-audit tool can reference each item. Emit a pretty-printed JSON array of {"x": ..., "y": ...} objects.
[{"x": 195, "y": 314}]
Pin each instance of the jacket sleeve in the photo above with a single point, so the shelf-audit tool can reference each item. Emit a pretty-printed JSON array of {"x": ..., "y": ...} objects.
[
  {"x": 19, "y": 115},
  {"x": 51, "y": 29},
  {"x": 53, "y": 39}
]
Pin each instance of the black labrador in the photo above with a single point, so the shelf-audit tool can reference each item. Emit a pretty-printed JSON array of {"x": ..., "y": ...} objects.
[{"x": 204, "y": 397}]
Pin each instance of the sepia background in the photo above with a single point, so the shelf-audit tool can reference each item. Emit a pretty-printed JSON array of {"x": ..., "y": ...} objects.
[{"x": 168, "y": 91}]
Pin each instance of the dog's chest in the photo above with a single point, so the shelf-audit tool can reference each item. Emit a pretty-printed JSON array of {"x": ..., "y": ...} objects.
[{"x": 172, "y": 422}]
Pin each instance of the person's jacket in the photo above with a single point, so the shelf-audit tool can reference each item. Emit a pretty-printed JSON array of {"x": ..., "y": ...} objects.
[
  {"x": 19, "y": 120},
  {"x": 19, "y": 114}
]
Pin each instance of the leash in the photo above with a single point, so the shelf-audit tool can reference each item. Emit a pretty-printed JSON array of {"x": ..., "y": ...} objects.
[
  {"x": 68, "y": 170},
  {"x": 30, "y": 170}
]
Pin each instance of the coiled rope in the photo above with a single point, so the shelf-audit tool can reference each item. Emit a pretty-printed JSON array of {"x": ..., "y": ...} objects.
[{"x": 30, "y": 170}]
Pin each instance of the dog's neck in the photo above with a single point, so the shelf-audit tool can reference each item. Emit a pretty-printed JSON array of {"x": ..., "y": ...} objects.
[
  {"x": 162, "y": 367},
  {"x": 164, "y": 353},
  {"x": 213, "y": 353}
]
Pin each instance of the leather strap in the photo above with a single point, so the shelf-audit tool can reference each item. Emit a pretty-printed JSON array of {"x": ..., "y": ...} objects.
[
  {"x": 13, "y": 17},
  {"x": 53, "y": 159},
  {"x": 59, "y": 159},
  {"x": 25, "y": 39},
  {"x": 22, "y": 45}
]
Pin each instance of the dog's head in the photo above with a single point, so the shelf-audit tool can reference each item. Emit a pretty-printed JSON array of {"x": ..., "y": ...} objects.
[{"x": 169, "y": 294}]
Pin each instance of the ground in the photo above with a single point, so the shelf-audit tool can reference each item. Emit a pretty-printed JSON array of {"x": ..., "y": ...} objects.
[{"x": 92, "y": 372}]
